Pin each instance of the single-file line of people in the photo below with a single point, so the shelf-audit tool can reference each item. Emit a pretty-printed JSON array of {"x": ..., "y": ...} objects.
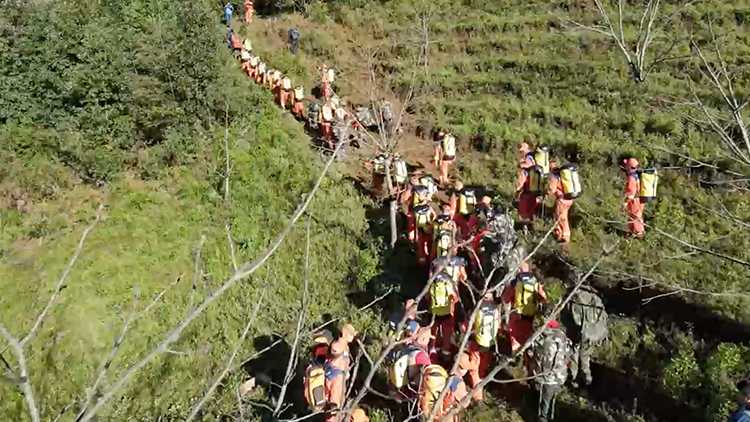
[{"x": 456, "y": 242}]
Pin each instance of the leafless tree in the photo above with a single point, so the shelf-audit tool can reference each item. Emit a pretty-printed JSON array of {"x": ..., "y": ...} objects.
[
  {"x": 728, "y": 121},
  {"x": 304, "y": 302},
  {"x": 21, "y": 376},
  {"x": 638, "y": 51}
]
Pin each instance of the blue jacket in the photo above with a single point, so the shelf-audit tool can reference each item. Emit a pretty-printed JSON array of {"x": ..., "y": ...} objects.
[{"x": 741, "y": 415}]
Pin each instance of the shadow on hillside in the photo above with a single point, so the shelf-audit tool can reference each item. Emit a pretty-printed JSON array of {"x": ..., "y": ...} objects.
[
  {"x": 269, "y": 370},
  {"x": 619, "y": 391},
  {"x": 703, "y": 322}
]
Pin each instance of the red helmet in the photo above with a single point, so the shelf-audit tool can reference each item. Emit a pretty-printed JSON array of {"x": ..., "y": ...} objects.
[{"x": 631, "y": 163}]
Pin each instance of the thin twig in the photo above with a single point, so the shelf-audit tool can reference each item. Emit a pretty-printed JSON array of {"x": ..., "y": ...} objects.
[
  {"x": 292, "y": 363},
  {"x": 230, "y": 361},
  {"x": 61, "y": 282}
]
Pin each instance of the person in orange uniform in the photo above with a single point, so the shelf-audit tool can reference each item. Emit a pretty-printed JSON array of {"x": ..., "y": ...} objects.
[
  {"x": 448, "y": 150},
  {"x": 480, "y": 357},
  {"x": 519, "y": 326},
  {"x": 444, "y": 315},
  {"x": 336, "y": 387},
  {"x": 437, "y": 146},
  {"x": 236, "y": 43},
  {"x": 249, "y": 10},
  {"x": 298, "y": 107},
  {"x": 285, "y": 93},
  {"x": 252, "y": 69},
  {"x": 339, "y": 363},
  {"x": 633, "y": 205},
  {"x": 562, "y": 205},
  {"x": 525, "y": 155},
  {"x": 325, "y": 84},
  {"x": 260, "y": 72},
  {"x": 456, "y": 393},
  {"x": 326, "y": 123},
  {"x": 528, "y": 202},
  {"x": 277, "y": 89}
]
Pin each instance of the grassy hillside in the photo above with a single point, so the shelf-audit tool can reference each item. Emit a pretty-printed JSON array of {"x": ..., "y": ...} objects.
[
  {"x": 499, "y": 72},
  {"x": 123, "y": 122},
  {"x": 126, "y": 103}
]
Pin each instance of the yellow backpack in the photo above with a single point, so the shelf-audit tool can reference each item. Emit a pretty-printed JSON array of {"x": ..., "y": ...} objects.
[
  {"x": 535, "y": 183},
  {"x": 443, "y": 242},
  {"x": 398, "y": 373},
  {"x": 467, "y": 201},
  {"x": 401, "y": 173},
  {"x": 485, "y": 325},
  {"x": 525, "y": 297},
  {"x": 541, "y": 158},
  {"x": 440, "y": 292},
  {"x": 315, "y": 387},
  {"x": 571, "y": 183},
  {"x": 449, "y": 146},
  {"x": 299, "y": 93},
  {"x": 649, "y": 180},
  {"x": 434, "y": 379},
  {"x": 423, "y": 216}
]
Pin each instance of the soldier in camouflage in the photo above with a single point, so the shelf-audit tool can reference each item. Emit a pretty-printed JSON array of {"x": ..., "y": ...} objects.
[
  {"x": 585, "y": 319},
  {"x": 548, "y": 361},
  {"x": 497, "y": 247}
]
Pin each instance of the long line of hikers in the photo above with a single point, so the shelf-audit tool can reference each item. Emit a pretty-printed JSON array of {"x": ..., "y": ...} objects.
[{"x": 464, "y": 244}]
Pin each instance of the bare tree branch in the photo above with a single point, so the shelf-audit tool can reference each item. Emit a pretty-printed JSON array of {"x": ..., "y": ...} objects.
[
  {"x": 650, "y": 28},
  {"x": 61, "y": 282},
  {"x": 107, "y": 363},
  {"x": 22, "y": 380},
  {"x": 23, "y": 373},
  {"x": 245, "y": 270},
  {"x": 202, "y": 402},
  {"x": 292, "y": 363}
]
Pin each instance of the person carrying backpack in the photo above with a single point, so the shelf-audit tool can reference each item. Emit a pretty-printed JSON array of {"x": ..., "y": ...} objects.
[
  {"x": 419, "y": 225},
  {"x": 586, "y": 321},
  {"x": 448, "y": 157},
  {"x": 406, "y": 363},
  {"x": 522, "y": 297},
  {"x": 633, "y": 206},
  {"x": 444, "y": 233},
  {"x": 563, "y": 201},
  {"x": 442, "y": 297},
  {"x": 435, "y": 379},
  {"x": 228, "y": 11},
  {"x": 548, "y": 360},
  {"x": 314, "y": 388},
  {"x": 293, "y": 37},
  {"x": 481, "y": 346}
]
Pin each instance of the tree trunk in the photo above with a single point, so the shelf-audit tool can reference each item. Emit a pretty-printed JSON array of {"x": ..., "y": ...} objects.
[{"x": 391, "y": 202}]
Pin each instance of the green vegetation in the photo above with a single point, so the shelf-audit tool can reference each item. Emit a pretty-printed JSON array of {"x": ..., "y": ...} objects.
[
  {"x": 125, "y": 103},
  {"x": 499, "y": 72}
]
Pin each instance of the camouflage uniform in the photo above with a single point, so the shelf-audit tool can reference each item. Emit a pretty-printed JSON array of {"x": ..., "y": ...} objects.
[
  {"x": 549, "y": 363},
  {"x": 497, "y": 244},
  {"x": 586, "y": 321},
  {"x": 312, "y": 116}
]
